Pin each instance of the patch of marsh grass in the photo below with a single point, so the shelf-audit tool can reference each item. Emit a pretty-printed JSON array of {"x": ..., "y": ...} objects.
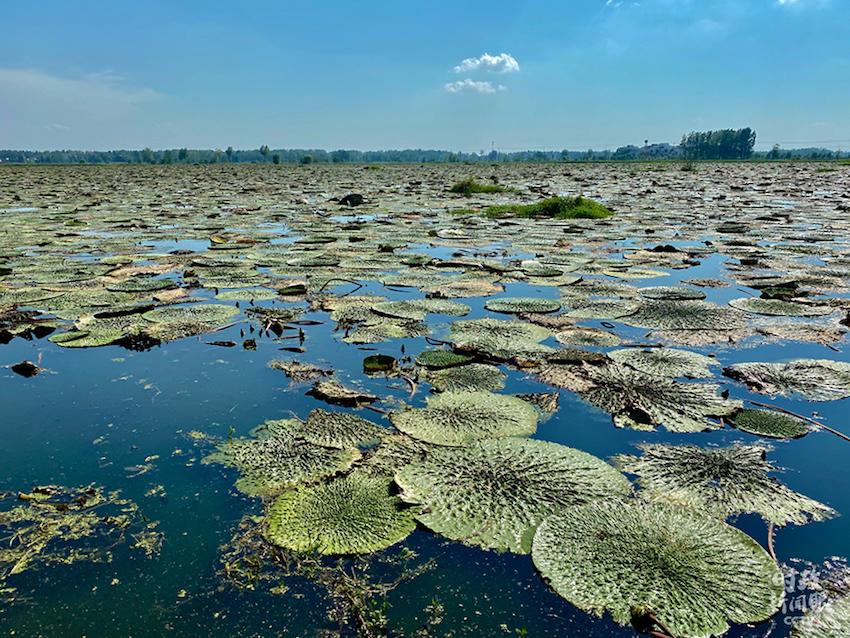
[
  {"x": 552, "y": 208},
  {"x": 470, "y": 186}
]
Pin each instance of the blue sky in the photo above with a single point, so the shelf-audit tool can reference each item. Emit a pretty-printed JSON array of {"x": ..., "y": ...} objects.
[{"x": 565, "y": 74}]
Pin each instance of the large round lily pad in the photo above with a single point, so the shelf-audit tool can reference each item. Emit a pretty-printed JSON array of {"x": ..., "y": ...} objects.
[
  {"x": 341, "y": 430},
  {"x": 829, "y": 620},
  {"x": 814, "y": 379},
  {"x": 280, "y": 459},
  {"x": 720, "y": 481},
  {"x": 665, "y": 362},
  {"x": 516, "y": 305},
  {"x": 501, "y": 339},
  {"x": 685, "y": 315},
  {"x": 352, "y": 515},
  {"x": 459, "y": 418},
  {"x": 202, "y": 313},
  {"x": 495, "y": 493},
  {"x": 779, "y": 307},
  {"x": 474, "y": 376},
  {"x": 636, "y": 560},
  {"x": 642, "y": 401},
  {"x": 770, "y": 423}
]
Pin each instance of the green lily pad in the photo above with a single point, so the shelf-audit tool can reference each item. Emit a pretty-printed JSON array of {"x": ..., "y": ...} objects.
[
  {"x": 779, "y": 308},
  {"x": 352, "y": 515},
  {"x": 770, "y": 423},
  {"x": 201, "y": 313},
  {"x": 471, "y": 377},
  {"x": 516, "y": 305},
  {"x": 280, "y": 459},
  {"x": 340, "y": 430},
  {"x": 814, "y": 379},
  {"x": 638, "y": 560},
  {"x": 665, "y": 362},
  {"x": 494, "y": 493},
  {"x": 441, "y": 358},
  {"x": 722, "y": 482},
  {"x": 459, "y": 418}
]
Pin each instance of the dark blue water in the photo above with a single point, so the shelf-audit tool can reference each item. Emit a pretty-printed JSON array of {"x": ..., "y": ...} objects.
[{"x": 98, "y": 411}]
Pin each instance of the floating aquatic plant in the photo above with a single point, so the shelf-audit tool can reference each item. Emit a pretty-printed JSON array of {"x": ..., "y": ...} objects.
[
  {"x": 351, "y": 515},
  {"x": 279, "y": 459},
  {"x": 200, "y": 313},
  {"x": 665, "y": 362},
  {"x": 587, "y": 337},
  {"x": 470, "y": 377},
  {"x": 499, "y": 338},
  {"x": 603, "y": 309},
  {"x": 655, "y": 564},
  {"x": 685, "y": 315},
  {"x": 720, "y": 481},
  {"x": 642, "y": 401},
  {"x": 417, "y": 309},
  {"x": 779, "y": 307},
  {"x": 814, "y": 379},
  {"x": 340, "y": 430},
  {"x": 672, "y": 293},
  {"x": 459, "y": 418},
  {"x": 829, "y": 620},
  {"x": 441, "y": 358},
  {"x": 516, "y": 305},
  {"x": 495, "y": 493},
  {"x": 770, "y": 423}
]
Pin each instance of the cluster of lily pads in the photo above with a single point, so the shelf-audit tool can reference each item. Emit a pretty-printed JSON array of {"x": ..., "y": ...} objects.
[{"x": 105, "y": 265}]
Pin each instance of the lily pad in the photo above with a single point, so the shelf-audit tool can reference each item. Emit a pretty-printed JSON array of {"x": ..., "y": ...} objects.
[
  {"x": 722, "y": 482},
  {"x": 685, "y": 315},
  {"x": 340, "y": 430},
  {"x": 665, "y": 362},
  {"x": 474, "y": 376},
  {"x": 814, "y": 379},
  {"x": 639, "y": 560},
  {"x": 779, "y": 308},
  {"x": 829, "y": 620},
  {"x": 352, "y": 515},
  {"x": 495, "y": 493},
  {"x": 201, "y": 313},
  {"x": 459, "y": 418},
  {"x": 672, "y": 293},
  {"x": 641, "y": 401},
  {"x": 516, "y": 305},
  {"x": 280, "y": 459},
  {"x": 770, "y": 423},
  {"x": 441, "y": 358}
]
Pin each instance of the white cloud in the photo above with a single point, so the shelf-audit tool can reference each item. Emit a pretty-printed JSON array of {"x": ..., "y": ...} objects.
[
  {"x": 42, "y": 110},
  {"x": 473, "y": 86},
  {"x": 101, "y": 87},
  {"x": 502, "y": 63}
]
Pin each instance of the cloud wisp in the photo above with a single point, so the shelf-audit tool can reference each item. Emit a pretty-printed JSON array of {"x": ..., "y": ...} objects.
[
  {"x": 40, "y": 109},
  {"x": 502, "y": 63},
  {"x": 473, "y": 86}
]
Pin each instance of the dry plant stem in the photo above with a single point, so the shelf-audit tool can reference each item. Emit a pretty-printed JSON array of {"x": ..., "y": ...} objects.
[
  {"x": 665, "y": 631},
  {"x": 230, "y": 325},
  {"x": 344, "y": 280},
  {"x": 770, "y": 550},
  {"x": 411, "y": 383},
  {"x": 804, "y": 418}
]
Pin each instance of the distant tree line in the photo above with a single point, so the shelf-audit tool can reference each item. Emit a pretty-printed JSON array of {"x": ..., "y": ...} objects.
[
  {"x": 725, "y": 144},
  {"x": 708, "y": 145}
]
